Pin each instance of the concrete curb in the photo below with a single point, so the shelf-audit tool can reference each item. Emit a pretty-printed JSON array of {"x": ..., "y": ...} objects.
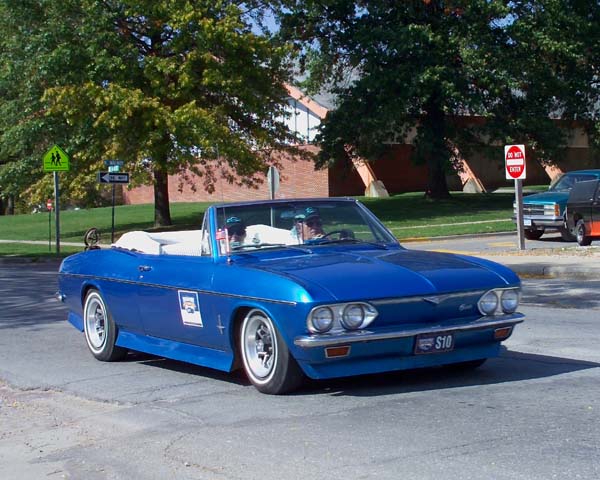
[
  {"x": 5, "y": 260},
  {"x": 550, "y": 265},
  {"x": 543, "y": 270},
  {"x": 523, "y": 265},
  {"x": 554, "y": 271},
  {"x": 454, "y": 237}
]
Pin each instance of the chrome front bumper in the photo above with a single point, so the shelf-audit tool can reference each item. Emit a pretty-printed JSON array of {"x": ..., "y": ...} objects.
[
  {"x": 541, "y": 221},
  {"x": 345, "y": 338}
]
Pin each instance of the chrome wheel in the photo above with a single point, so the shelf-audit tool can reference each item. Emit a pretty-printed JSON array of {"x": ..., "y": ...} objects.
[
  {"x": 259, "y": 346},
  {"x": 581, "y": 234},
  {"x": 95, "y": 322},
  {"x": 100, "y": 329}
]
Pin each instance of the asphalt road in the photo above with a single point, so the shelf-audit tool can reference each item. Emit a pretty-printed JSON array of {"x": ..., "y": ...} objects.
[{"x": 533, "y": 413}]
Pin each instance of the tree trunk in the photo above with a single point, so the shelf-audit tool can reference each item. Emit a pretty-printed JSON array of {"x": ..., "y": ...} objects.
[
  {"x": 1, "y": 206},
  {"x": 437, "y": 187},
  {"x": 162, "y": 211},
  {"x": 10, "y": 205},
  {"x": 437, "y": 156}
]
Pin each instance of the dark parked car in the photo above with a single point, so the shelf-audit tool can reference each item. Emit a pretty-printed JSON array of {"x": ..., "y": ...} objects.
[
  {"x": 546, "y": 211},
  {"x": 583, "y": 211}
]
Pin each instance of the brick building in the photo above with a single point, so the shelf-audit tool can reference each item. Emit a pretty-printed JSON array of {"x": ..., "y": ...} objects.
[{"x": 395, "y": 172}]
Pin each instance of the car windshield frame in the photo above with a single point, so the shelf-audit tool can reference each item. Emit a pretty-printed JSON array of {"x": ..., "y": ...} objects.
[
  {"x": 269, "y": 225},
  {"x": 565, "y": 182}
]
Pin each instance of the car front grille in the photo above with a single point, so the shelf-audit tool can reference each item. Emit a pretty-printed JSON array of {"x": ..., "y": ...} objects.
[{"x": 532, "y": 209}]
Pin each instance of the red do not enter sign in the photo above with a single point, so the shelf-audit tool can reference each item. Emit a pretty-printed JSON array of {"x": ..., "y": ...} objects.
[
  {"x": 49, "y": 204},
  {"x": 514, "y": 159}
]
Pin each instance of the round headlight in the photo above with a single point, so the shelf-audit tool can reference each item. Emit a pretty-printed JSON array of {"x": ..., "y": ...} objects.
[
  {"x": 353, "y": 316},
  {"x": 321, "y": 320},
  {"x": 509, "y": 301},
  {"x": 488, "y": 303}
]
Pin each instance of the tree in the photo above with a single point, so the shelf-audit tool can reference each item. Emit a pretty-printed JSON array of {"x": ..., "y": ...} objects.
[
  {"x": 23, "y": 130},
  {"x": 551, "y": 61},
  {"x": 397, "y": 65},
  {"x": 167, "y": 86}
]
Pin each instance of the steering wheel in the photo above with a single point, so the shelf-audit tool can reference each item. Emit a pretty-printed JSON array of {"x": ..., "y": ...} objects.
[
  {"x": 91, "y": 238},
  {"x": 344, "y": 234}
]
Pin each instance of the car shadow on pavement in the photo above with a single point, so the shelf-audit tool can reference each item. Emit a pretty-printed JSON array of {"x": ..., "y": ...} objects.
[
  {"x": 511, "y": 366},
  {"x": 236, "y": 377}
]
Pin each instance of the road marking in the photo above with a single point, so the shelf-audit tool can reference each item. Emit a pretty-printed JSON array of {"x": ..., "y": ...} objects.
[
  {"x": 43, "y": 242},
  {"x": 501, "y": 244},
  {"x": 448, "y": 224},
  {"x": 458, "y": 252}
]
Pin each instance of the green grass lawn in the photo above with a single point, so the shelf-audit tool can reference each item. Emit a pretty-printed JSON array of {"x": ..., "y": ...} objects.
[
  {"x": 408, "y": 215},
  {"x": 411, "y": 215},
  {"x": 35, "y": 251},
  {"x": 74, "y": 223}
]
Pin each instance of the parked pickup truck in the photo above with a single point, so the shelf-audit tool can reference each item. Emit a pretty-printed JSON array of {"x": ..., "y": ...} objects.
[
  {"x": 546, "y": 211},
  {"x": 583, "y": 211}
]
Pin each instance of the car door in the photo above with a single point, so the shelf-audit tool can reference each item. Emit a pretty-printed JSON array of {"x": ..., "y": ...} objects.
[
  {"x": 174, "y": 298},
  {"x": 595, "y": 214}
]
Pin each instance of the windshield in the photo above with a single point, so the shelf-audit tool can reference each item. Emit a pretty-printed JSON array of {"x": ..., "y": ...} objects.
[
  {"x": 566, "y": 182},
  {"x": 252, "y": 227}
]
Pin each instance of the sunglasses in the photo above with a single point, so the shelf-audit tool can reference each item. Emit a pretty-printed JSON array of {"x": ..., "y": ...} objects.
[
  {"x": 237, "y": 231},
  {"x": 314, "y": 223}
]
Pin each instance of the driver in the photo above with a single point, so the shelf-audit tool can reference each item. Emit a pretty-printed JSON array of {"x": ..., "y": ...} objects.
[
  {"x": 236, "y": 231},
  {"x": 308, "y": 225}
]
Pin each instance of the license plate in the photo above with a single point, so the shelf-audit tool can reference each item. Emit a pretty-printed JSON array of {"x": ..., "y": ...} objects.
[
  {"x": 527, "y": 222},
  {"x": 434, "y": 343}
]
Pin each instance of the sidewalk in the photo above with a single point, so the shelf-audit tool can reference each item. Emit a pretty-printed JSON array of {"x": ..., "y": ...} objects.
[
  {"x": 584, "y": 266},
  {"x": 567, "y": 260}
]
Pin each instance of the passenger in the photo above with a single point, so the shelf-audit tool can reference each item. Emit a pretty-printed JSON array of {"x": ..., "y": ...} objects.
[
  {"x": 236, "y": 231},
  {"x": 308, "y": 225}
]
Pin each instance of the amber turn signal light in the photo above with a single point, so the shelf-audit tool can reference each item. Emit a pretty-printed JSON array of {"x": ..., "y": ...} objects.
[
  {"x": 332, "y": 352},
  {"x": 502, "y": 333}
]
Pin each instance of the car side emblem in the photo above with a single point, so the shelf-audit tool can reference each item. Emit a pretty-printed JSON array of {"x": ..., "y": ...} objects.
[
  {"x": 220, "y": 325},
  {"x": 465, "y": 306},
  {"x": 433, "y": 300}
]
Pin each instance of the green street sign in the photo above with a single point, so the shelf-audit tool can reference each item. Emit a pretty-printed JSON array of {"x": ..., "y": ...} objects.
[{"x": 56, "y": 160}]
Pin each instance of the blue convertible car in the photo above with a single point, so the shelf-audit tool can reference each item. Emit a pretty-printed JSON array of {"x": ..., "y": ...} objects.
[{"x": 287, "y": 289}]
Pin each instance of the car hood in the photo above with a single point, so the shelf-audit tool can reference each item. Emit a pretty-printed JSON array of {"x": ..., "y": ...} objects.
[
  {"x": 371, "y": 275},
  {"x": 547, "y": 197}
]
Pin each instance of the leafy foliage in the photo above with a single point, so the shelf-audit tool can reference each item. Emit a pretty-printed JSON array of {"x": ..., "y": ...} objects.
[
  {"x": 393, "y": 65},
  {"x": 166, "y": 86}
]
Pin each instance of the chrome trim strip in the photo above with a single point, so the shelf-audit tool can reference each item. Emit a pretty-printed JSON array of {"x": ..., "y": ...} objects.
[
  {"x": 324, "y": 340},
  {"x": 420, "y": 298},
  {"x": 168, "y": 287}
]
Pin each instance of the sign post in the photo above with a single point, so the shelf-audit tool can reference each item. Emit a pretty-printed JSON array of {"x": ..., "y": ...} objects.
[
  {"x": 273, "y": 181},
  {"x": 113, "y": 177},
  {"x": 56, "y": 160},
  {"x": 49, "y": 208},
  {"x": 516, "y": 168}
]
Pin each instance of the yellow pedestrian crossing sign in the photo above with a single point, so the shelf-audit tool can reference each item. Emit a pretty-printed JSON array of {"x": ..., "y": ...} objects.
[{"x": 56, "y": 160}]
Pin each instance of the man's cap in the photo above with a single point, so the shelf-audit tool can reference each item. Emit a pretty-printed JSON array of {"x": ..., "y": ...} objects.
[
  {"x": 309, "y": 212},
  {"x": 235, "y": 224},
  {"x": 234, "y": 221}
]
